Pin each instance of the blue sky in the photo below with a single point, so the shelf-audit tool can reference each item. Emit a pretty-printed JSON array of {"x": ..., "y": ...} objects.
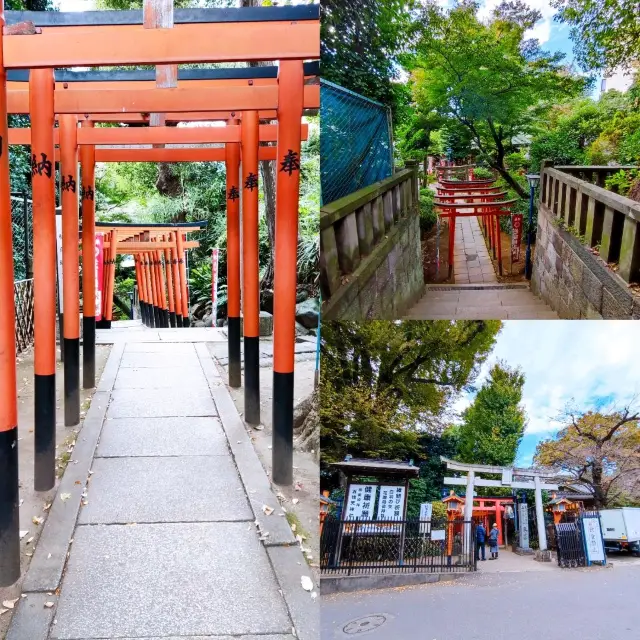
[{"x": 585, "y": 364}]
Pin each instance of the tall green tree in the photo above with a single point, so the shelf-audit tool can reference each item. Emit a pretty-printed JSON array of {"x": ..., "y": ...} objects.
[
  {"x": 486, "y": 76},
  {"x": 493, "y": 426},
  {"x": 360, "y": 42},
  {"x": 385, "y": 384},
  {"x": 606, "y": 34}
]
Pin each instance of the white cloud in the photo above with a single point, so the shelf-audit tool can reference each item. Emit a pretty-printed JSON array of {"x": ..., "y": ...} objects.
[{"x": 569, "y": 362}]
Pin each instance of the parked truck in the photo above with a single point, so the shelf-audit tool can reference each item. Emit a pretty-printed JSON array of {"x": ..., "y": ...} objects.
[{"x": 621, "y": 529}]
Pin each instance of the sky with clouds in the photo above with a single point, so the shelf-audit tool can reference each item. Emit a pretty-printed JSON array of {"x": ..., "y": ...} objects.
[{"x": 585, "y": 364}]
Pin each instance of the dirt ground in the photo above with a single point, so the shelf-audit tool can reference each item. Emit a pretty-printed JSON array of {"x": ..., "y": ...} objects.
[
  {"x": 431, "y": 240},
  {"x": 32, "y": 503},
  {"x": 305, "y": 490}
]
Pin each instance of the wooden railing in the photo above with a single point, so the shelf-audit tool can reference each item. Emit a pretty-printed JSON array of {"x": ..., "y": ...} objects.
[
  {"x": 351, "y": 227},
  {"x": 602, "y": 219}
]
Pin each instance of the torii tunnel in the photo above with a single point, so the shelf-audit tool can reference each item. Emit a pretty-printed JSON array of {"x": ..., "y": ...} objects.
[{"x": 262, "y": 109}]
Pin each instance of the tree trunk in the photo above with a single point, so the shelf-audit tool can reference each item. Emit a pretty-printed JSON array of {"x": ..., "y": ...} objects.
[
  {"x": 501, "y": 169},
  {"x": 267, "y": 168},
  {"x": 599, "y": 499}
]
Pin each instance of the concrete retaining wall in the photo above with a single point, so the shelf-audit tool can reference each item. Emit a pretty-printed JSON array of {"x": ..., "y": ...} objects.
[{"x": 572, "y": 280}]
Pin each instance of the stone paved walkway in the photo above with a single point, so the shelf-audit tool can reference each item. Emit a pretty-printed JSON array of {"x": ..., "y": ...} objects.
[
  {"x": 171, "y": 539},
  {"x": 471, "y": 261},
  {"x": 479, "y": 302}
]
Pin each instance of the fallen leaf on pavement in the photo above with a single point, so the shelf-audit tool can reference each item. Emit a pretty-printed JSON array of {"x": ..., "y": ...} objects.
[
  {"x": 65, "y": 496},
  {"x": 49, "y": 604},
  {"x": 9, "y": 604},
  {"x": 37, "y": 520},
  {"x": 307, "y": 583},
  {"x": 267, "y": 509}
]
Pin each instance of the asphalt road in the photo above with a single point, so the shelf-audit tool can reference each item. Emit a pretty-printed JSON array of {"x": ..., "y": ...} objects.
[{"x": 572, "y": 604}]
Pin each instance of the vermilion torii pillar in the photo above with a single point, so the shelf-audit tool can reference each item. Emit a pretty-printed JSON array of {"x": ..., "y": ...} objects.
[
  {"x": 173, "y": 252},
  {"x": 87, "y": 192},
  {"x": 70, "y": 273},
  {"x": 9, "y": 500},
  {"x": 41, "y": 88},
  {"x": 251, "y": 267},
  {"x": 290, "y": 106},
  {"x": 232, "y": 162}
]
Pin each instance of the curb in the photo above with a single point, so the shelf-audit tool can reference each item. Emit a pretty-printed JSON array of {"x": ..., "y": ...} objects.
[
  {"x": 286, "y": 558},
  {"x": 32, "y": 620},
  {"x": 346, "y": 584}
]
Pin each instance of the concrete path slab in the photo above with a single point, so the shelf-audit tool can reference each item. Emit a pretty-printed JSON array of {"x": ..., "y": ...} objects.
[
  {"x": 161, "y": 378},
  {"x": 471, "y": 261},
  {"x": 168, "y": 579},
  {"x": 159, "y": 360},
  {"x": 479, "y": 302},
  {"x": 163, "y": 528},
  {"x": 172, "y": 489},
  {"x": 158, "y": 403},
  {"x": 122, "y": 437}
]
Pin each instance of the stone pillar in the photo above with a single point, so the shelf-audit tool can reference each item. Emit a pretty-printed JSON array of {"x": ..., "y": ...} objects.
[
  {"x": 542, "y": 532},
  {"x": 468, "y": 513}
]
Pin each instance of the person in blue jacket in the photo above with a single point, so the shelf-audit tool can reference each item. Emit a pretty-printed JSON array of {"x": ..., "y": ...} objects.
[
  {"x": 493, "y": 541},
  {"x": 481, "y": 534}
]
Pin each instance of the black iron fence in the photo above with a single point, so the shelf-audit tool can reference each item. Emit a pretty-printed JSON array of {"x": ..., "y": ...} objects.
[
  {"x": 355, "y": 547},
  {"x": 569, "y": 539}
]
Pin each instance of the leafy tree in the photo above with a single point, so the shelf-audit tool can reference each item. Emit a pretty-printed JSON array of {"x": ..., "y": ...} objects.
[
  {"x": 598, "y": 451},
  {"x": 486, "y": 76},
  {"x": 386, "y": 384},
  {"x": 606, "y": 34},
  {"x": 360, "y": 41},
  {"x": 493, "y": 425},
  {"x": 432, "y": 469}
]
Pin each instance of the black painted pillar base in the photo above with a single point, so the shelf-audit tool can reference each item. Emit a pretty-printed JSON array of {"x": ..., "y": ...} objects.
[
  {"x": 88, "y": 352},
  {"x": 9, "y": 508},
  {"x": 172, "y": 319},
  {"x": 165, "y": 318},
  {"x": 71, "y": 350},
  {"x": 45, "y": 432},
  {"x": 157, "y": 318},
  {"x": 186, "y": 322},
  {"x": 179, "y": 322},
  {"x": 252, "y": 380},
  {"x": 233, "y": 340},
  {"x": 151, "y": 316},
  {"x": 103, "y": 324},
  {"x": 282, "y": 445},
  {"x": 143, "y": 313}
]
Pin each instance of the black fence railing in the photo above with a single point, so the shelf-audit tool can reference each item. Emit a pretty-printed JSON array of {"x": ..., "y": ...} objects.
[
  {"x": 354, "y": 547},
  {"x": 569, "y": 540}
]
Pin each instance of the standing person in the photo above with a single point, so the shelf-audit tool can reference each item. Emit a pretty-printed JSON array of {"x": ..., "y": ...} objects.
[
  {"x": 481, "y": 534},
  {"x": 493, "y": 541}
]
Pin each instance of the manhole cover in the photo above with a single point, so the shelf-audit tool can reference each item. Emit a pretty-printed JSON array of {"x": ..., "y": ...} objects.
[{"x": 363, "y": 625}]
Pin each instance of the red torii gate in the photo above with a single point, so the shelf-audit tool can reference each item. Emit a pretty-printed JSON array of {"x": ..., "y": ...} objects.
[{"x": 40, "y": 42}]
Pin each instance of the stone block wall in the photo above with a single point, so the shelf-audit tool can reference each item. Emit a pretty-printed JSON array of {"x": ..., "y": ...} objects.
[
  {"x": 370, "y": 253},
  {"x": 388, "y": 283},
  {"x": 572, "y": 280}
]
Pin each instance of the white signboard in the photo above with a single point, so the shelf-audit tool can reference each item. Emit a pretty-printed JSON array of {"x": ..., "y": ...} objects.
[
  {"x": 391, "y": 504},
  {"x": 426, "y": 509},
  {"x": 438, "y": 534},
  {"x": 59, "y": 259},
  {"x": 593, "y": 539},
  {"x": 361, "y": 498},
  {"x": 523, "y": 523}
]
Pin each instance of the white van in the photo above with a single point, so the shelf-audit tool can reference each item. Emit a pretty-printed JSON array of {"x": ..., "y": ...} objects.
[{"x": 621, "y": 529}]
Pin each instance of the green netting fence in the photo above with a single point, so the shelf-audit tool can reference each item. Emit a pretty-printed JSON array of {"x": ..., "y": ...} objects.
[
  {"x": 355, "y": 142},
  {"x": 22, "y": 228}
]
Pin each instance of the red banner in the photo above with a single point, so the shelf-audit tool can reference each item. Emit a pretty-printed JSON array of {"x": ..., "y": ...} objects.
[
  {"x": 99, "y": 274},
  {"x": 516, "y": 236}
]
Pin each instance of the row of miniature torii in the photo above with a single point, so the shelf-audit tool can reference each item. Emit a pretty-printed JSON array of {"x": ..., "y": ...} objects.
[
  {"x": 35, "y": 43},
  {"x": 42, "y": 137}
]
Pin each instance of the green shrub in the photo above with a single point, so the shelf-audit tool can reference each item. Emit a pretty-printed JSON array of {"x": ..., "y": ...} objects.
[
  {"x": 516, "y": 161},
  {"x": 428, "y": 215},
  {"x": 482, "y": 173},
  {"x": 622, "y": 181}
]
